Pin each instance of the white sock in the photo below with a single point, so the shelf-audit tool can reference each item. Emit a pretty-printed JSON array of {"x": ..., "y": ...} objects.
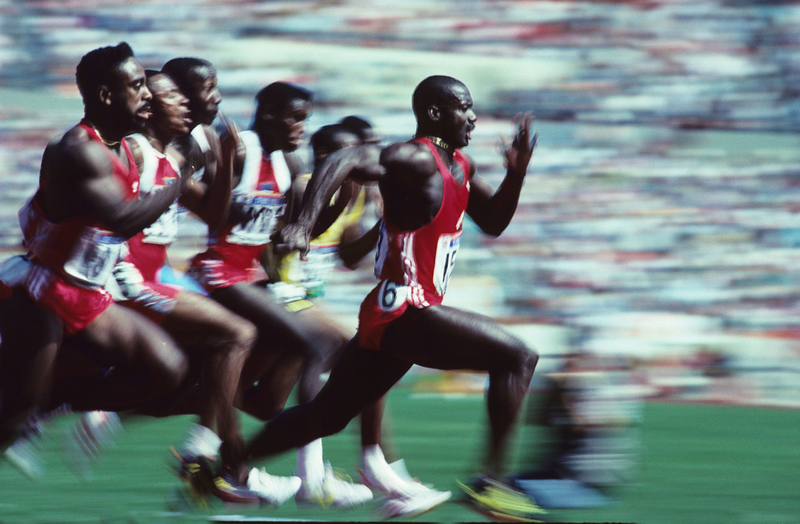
[
  {"x": 310, "y": 466},
  {"x": 378, "y": 471},
  {"x": 201, "y": 440}
]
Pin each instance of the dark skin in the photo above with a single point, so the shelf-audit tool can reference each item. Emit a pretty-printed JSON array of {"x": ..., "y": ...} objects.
[
  {"x": 271, "y": 394},
  {"x": 280, "y": 333},
  {"x": 439, "y": 337},
  {"x": 204, "y": 96},
  {"x": 77, "y": 180},
  {"x": 27, "y": 360},
  {"x": 204, "y": 99},
  {"x": 196, "y": 321}
]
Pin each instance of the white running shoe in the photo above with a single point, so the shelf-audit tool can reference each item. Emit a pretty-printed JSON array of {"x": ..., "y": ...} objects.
[
  {"x": 272, "y": 489},
  {"x": 333, "y": 491},
  {"x": 90, "y": 436},
  {"x": 23, "y": 454},
  {"x": 404, "y": 496},
  {"x": 418, "y": 500}
]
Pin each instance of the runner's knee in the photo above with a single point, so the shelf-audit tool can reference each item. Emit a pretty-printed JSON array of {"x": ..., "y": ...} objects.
[
  {"x": 528, "y": 358},
  {"x": 522, "y": 361},
  {"x": 244, "y": 334}
]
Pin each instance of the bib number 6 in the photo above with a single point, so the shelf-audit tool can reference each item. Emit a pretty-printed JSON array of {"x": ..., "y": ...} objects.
[{"x": 391, "y": 295}]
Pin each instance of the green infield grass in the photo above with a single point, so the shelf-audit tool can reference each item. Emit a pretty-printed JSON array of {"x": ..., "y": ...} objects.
[{"x": 697, "y": 464}]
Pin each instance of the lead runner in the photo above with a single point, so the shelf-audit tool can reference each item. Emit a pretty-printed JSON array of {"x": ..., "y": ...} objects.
[{"x": 428, "y": 184}]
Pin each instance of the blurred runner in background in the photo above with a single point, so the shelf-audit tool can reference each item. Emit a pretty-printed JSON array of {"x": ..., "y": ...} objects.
[
  {"x": 230, "y": 270},
  {"x": 427, "y": 185}
]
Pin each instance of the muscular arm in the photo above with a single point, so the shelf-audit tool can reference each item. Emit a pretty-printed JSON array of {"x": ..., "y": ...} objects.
[
  {"x": 331, "y": 212},
  {"x": 79, "y": 180},
  {"x": 210, "y": 198},
  {"x": 125, "y": 218},
  {"x": 362, "y": 163},
  {"x": 492, "y": 212},
  {"x": 354, "y": 246}
]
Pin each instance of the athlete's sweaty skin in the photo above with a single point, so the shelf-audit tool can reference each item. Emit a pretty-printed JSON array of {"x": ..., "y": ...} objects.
[{"x": 438, "y": 336}]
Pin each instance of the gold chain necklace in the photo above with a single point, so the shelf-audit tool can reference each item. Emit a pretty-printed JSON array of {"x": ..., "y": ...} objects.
[
  {"x": 108, "y": 144},
  {"x": 441, "y": 143}
]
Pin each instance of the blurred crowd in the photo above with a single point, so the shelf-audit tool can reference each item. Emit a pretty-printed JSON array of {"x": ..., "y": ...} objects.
[{"x": 660, "y": 216}]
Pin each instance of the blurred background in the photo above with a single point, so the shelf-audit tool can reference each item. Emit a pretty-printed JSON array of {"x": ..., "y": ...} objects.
[{"x": 657, "y": 231}]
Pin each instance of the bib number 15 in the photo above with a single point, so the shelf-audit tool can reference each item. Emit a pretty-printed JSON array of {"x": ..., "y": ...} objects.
[{"x": 446, "y": 252}]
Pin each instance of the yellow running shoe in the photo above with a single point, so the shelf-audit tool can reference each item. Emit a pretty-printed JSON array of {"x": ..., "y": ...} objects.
[{"x": 499, "y": 501}]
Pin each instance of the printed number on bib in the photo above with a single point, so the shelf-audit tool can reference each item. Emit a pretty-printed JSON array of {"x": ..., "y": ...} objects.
[
  {"x": 381, "y": 249},
  {"x": 391, "y": 296},
  {"x": 164, "y": 230},
  {"x": 446, "y": 252},
  {"x": 94, "y": 257},
  {"x": 260, "y": 223},
  {"x": 320, "y": 263},
  {"x": 129, "y": 280}
]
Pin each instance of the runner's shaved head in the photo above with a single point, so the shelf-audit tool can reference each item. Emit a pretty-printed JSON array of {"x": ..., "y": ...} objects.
[{"x": 435, "y": 90}]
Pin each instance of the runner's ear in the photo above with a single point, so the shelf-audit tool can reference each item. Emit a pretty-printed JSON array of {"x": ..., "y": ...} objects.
[
  {"x": 434, "y": 114},
  {"x": 104, "y": 94}
]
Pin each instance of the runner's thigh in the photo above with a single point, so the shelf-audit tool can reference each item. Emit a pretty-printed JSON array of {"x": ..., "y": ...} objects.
[
  {"x": 276, "y": 326},
  {"x": 442, "y": 337},
  {"x": 198, "y": 320},
  {"x": 127, "y": 337},
  {"x": 360, "y": 377}
]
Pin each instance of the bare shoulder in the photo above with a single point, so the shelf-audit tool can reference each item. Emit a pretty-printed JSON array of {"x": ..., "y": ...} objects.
[
  {"x": 136, "y": 152},
  {"x": 408, "y": 158},
  {"x": 79, "y": 155},
  {"x": 295, "y": 163},
  {"x": 173, "y": 152},
  {"x": 404, "y": 152},
  {"x": 210, "y": 132}
]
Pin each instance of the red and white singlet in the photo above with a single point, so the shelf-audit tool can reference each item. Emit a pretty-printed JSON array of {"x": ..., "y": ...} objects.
[
  {"x": 414, "y": 267},
  {"x": 234, "y": 251},
  {"x": 136, "y": 275},
  {"x": 73, "y": 259}
]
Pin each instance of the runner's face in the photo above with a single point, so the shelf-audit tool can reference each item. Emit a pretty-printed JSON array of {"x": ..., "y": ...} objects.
[
  {"x": 340, "y": 141},
  {"x": 370, "y": 137},
  {"x": 205, "y": 96},
  {"x": 458, "y": 118},
  {"x": 130, "y": 97},
  {"x": 170, "y": 107},
  {"x": 291, "y": 121}
]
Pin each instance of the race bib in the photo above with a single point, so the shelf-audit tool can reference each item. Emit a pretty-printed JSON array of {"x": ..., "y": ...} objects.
[
  {"x": 262, "y": 216},
  {"x": 446, "y": 251},
  {"x": 164, "y": 230},
  {"x": 318, "y": 266},
  {"x": 381, "y": 249},
  {"x": 129, "y": 281},
  {"x": 391, "y": 295},
  {"x": 14, "y": 270},
  {"x": 94, "y": 257}
]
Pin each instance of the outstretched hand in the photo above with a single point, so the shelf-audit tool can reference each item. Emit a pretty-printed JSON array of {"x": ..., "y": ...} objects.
[
  {"x": 292, "y": 237},
  {"x": 518, "y": 154}
]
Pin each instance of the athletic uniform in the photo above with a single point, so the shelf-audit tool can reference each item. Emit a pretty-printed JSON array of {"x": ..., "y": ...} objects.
[
  {"x": 199, "y": 135},
  {"x": 168, "y": 274},
  {"x": 13, "y": 273},
  {"x": 137, "y": 274},
  {"x": 414, "y": 267},
  {"x": 306, "y": 279},
  {"x": 235, "y": 250},
  {"x": 73, "y": 259}
]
